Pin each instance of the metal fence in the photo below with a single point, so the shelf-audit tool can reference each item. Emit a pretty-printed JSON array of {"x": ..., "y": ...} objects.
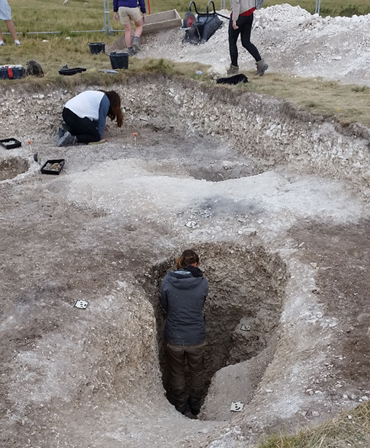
[{"x": 108, "y": 29}]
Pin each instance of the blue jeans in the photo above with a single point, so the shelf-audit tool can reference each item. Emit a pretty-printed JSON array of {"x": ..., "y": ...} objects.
[{"x": 84, "y": 129}]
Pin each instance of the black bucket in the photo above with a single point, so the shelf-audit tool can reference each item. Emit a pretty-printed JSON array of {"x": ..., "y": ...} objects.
[
  {"x": 97, "y": 47},
  {"x": 118, "y": 60}
]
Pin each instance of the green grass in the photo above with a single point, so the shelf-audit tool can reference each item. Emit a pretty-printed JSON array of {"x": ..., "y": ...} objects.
[
  {"x": 328, "y": 98},
  {"x": 349, "y": 429},
  {"x": 52, "y": 15}
]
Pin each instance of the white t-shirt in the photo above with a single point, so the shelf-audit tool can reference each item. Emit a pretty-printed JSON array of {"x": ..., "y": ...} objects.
[{"x": 86, "y": 104}]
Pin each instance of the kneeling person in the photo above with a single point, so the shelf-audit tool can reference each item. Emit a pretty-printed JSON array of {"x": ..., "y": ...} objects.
[{"x": 85, "y": 116}]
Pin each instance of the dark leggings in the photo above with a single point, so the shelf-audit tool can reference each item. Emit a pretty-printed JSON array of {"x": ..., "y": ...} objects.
[
  {"x": 245, "y": 27},
  {"x": 83, "y": 128}
]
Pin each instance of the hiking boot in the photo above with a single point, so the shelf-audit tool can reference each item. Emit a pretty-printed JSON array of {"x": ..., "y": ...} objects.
[
  {"x": 67, "y": 139},
  {"x": 233, "y": 70},
  {"x": 135, "y": 44},
  {"x": 130, "y": 51},
  {"x": 261, "y": 67},
  {"x": 60, "y": 134},
  {"x": 194, "y": 408},
  {"x": 181, "y": 408}
]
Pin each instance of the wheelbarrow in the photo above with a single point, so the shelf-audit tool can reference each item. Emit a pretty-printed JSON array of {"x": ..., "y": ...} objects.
[{"x": 199, "y": 27}]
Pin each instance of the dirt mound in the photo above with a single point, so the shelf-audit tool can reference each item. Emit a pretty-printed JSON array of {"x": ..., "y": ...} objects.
[
  {"x": 290, "y": 39},
  {"x": 274, "y": 200}
]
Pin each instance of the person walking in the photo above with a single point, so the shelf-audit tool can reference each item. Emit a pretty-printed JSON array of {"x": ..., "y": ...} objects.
[
  {"x": 6, "y": 15},
  {"x": 130, "y": 11},
  {"x": 85, "y": 116},
  {"x": 183, "y": 294},
  {"x": 241, "y": 20}
]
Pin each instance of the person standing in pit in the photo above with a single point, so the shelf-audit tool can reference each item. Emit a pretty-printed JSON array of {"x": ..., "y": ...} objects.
[
  {"x": 6, "y": 15},
  {"x": 241, "y": 20},
  {"x": 130, "y": 11},
  {"x": 183, "y": 294}
]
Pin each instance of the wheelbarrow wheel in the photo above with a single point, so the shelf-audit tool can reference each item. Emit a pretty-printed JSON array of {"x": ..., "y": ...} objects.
[{"x": 189, "y": 20}]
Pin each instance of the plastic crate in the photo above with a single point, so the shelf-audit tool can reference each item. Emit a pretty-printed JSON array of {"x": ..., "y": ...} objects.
[
  {"x": 10, "y": 143},
  {"x": 53, "y": 166}
]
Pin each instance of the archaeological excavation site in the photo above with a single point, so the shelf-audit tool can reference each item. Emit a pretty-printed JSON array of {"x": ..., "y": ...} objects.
[{"x": 276, "y": 203}]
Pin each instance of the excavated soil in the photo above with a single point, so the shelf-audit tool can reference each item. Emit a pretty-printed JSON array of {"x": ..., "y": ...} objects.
[{"x": 275, "y": 201}]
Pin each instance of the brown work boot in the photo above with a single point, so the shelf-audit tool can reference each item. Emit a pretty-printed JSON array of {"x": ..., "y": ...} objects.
[
  {"x": 261, "y": 67},
  {"x": 233, "y": 70}
]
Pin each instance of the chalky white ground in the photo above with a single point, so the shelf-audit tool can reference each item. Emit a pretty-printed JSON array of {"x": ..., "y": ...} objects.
[{"x": 91, "y": 378}]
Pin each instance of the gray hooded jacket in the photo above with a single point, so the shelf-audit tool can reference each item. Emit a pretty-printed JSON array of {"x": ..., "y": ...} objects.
[{"x": 183, "y": 297}]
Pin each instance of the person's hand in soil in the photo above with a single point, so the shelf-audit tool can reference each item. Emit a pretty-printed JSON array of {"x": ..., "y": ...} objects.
[{"x": 104, "y": 140}]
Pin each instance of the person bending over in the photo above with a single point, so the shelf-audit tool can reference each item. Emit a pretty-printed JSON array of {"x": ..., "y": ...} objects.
[
  {"x": 183, "y": 293},
  {"x": 241, "y": 20},
  {"x": 85, "y": 116}
]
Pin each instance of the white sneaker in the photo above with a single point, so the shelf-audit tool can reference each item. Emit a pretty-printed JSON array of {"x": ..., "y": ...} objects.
[
  {"x": 2, "y": 44},
  {"x": 17, "y": 42}
]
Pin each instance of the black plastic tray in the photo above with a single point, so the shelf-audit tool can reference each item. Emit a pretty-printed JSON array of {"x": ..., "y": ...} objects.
[
  {"x": 10, "y": 143},
  {"x": 46, "y": 167}
]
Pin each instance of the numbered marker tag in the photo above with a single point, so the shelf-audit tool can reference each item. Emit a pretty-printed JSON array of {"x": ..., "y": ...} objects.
[
  {"x": 237, "y": 406},
  {"x": 81, "y": 304}
]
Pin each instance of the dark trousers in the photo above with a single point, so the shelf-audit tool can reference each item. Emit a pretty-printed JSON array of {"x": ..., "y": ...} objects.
[
  {"x": 245, "y": 27},
  {"x": 177, "y": 355},
  {"x": 83, "y": 128}
]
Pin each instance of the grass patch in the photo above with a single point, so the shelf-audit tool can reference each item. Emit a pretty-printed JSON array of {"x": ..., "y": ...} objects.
[
  {"x": 52, "y": 15},
  {"x": 359, "y": 88},
  {"x": 348, "y": 103},
  {"x": 349, "y": 429}
]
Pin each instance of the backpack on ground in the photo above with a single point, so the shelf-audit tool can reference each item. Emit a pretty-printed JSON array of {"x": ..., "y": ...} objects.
[
  {"x": 233, "y": 80},
  {"x": 34, "y": 69}
]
